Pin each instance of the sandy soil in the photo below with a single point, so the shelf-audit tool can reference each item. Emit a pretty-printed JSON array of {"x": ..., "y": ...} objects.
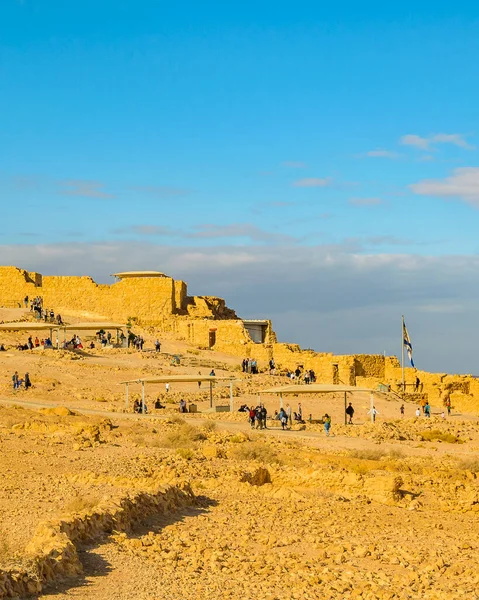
[{"x": 388, "y": 510}]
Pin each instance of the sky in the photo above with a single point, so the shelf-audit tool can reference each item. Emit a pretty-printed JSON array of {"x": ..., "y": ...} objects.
[{"x": 314, "y": 163}]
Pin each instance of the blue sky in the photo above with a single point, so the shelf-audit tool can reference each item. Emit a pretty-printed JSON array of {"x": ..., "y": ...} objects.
[{"x": 246, "y": 146}]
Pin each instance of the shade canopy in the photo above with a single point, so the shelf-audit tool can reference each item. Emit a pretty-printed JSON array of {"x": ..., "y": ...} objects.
[
  {"x": 27, "y": 326},
  {"x": 314, "y": 388},
  {"x": 97, "y": 326},
  {"x": 179, "y": 379}
]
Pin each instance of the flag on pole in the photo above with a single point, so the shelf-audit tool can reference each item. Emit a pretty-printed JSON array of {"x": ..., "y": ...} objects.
[{"x": 407, "y": 344}]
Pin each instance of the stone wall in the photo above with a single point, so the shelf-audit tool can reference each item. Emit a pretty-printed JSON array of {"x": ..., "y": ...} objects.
[
  {"x": 17, "y": 283},
  {"x": 52, "y": 553}
]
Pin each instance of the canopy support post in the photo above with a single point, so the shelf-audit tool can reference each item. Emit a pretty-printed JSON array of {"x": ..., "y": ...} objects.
[
  {"x": 126, "y": 395},
  {"x": 371, "y": 406},
  {"x": 211, "y": 394},
  {"x": 345, "y": 407},
  {"x": 231, "y": 396},
  {"x": 280, "y": 400},
  {"x": 143, "y": 397}
]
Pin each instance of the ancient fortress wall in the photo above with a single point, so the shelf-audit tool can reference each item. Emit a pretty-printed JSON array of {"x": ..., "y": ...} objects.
[
  {"x": 15, "y": 284},
  {"x": 163, "y": 303},
  {"x": 145, "y": 299}
]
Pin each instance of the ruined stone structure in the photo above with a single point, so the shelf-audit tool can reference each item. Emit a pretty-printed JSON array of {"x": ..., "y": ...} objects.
[{"x": 152, "y": 299}]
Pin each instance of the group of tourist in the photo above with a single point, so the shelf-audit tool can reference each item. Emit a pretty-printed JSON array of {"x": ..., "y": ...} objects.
[
  {"x": 36, "y": 306},
  {"x": 307, "y": 376},
  {"x": 137, "y": 342},
  {"x": 37, "y": 343},
  {"x": 18, "y": 382},
  {"x": 250, "y": 365}
]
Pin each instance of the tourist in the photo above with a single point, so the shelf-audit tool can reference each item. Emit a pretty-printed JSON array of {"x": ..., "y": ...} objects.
[
  {"x": 158, "y": 404},
  {"x": 157, "y": 346},
  {"x": 448, "y": 406},
  {"x": 283, "y": 417},
  {"x": 37, "y": 342},
  {"x": 418, "y": 412},
  {"x": 443, "y": 415},
  {"x": 183, "y": 406},
  {"x": 272, "y": 366},
  {"x": 108, "y": 337},
  {"x": 137, "y": 406},
  {"x": 27, "y": 381},
  {"x": 289, "y": 414},
  {"x": 327, "y": 424},
  {"x": 15, "y": 380},
  {"x": 92, "y": 345},
  {"x": 350, "y": 413},
  {"x": 300, "y": 412},
  {"x": 252, "y": 417},
  {"x": 262, "y": 414},
  {"x": 212, "y": 374},
  {"x": 199, "y": 382},
  {"x": 427, "y": 410},
  {"x": 401, "y": 410},
  {"x": 306, "y": 377},
  {"x": 417, "y": 384},
  {"x": 373, "y": 412},
  {"x": 25, "y": 301},
  {"x": 167, "y": 387}
]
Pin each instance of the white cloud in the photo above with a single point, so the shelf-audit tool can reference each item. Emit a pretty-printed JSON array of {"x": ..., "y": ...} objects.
[
  {"x": 329, "y": 297},
  {"x": 416, "y": 141},
  {"x": 462, "y": 184},
  {"x": 312, "y": 182},
  {"x": 428, "y": 143},
  {"x": 380, "y": 153},
  {"x": 85, "y": 188},
  {"x": 365, "y": 201}
]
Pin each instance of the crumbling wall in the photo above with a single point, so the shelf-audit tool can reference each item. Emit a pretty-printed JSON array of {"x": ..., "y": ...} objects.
[
  {"x": 147, "y": 299},
  {"x": 52, "y": 553},
  {"x": 17, "y": 283}
]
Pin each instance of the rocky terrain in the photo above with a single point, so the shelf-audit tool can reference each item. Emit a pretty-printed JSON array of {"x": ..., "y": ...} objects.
[{"x": 99, "y": 503}]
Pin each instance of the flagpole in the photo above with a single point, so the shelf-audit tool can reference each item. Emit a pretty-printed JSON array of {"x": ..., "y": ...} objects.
[{"x": 402, "y": 355}]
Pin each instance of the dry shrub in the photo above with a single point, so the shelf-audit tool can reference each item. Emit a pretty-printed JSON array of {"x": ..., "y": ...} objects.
[
  {"x": 470, "y": 464},
  {"x": 209, "y": 426},
  {"x": 435, "y": 435},
  {"x": 176, "y": 420},
  {"x": 80, "y": 504},
  {"x": 259, "y": 451},
  {"x": 368, "y": 454},
  {"x": 185, "y": 453},
  {"x": 239, "y": 438},
  {"x": 185, "y": 436}
]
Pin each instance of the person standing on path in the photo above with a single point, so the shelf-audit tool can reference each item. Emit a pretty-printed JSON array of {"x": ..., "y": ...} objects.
[
  {"x": 401, "y": 410},
  {"x": 167, "y": 387},
  {"x": 350, "y": 413},
  {"x": 289, "y": 415},
  {"x": 327, "y": 424},
  {"x": 373, "y": 412},
  {"x": 15, "y": 380},
  {"x": 283, "y": 418}
]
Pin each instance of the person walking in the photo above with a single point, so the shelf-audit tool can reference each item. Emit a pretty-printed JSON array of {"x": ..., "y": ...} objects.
[
  {"x": 15, "y": 380},
  {"x": 167, "y": 387},
  {"x": 401, "y": 410},
  {"x": 289, "y": 415},
  {"x": 327, "y": 424},
  {"x": 27, "y": 381},
  {"x": 427, "y": 410},
  {"x": 283, "y": 418},
  {"x": 372, "y": 411},
  {"x": 350, "y": 413}
]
